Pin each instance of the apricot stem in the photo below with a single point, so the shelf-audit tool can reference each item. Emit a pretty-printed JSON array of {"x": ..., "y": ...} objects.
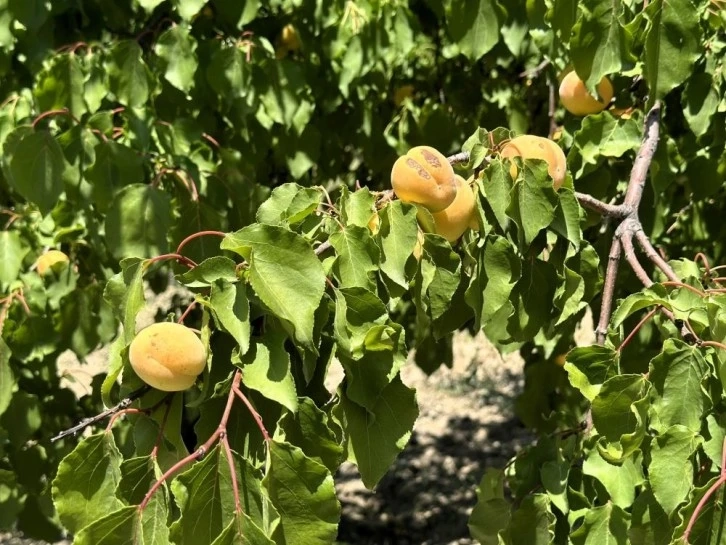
[
  {"x": 635, "y": 330},
  {"x": 232, "y": 472},
  {"x": 715, "y": 486},
  {"x": 162, "y": 425},
  {"x": 253, "y": 411},
  {"x": 119, "y": 414}
]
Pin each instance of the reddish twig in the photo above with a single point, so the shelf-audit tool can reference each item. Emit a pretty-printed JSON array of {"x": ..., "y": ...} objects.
[
  {"x": 202, "y": 450},
  {"x": 713, "y": 488},
  {"x": 119, "y": 414},
  {"x": 197, "y": 235},
  {"x": 635, "y": 330},
  {"x": 186, "y": 312},
  {"x": 211, "y": 140},
  {"x": 51, "y": 113},
  {"x": 162, "y": 425},
  {"x": 679, "y": 284},
  {"x": 165, "y": 257},
  {"x": 253, "y": 411},
  {"x": 232, "y": 471}
]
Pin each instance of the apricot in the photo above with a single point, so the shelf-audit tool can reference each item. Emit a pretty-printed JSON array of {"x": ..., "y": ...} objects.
[
  {"x": 578, "y": 101},
  {"x": 402, "y": 93},
  {"x": 48, "y": 259},
  {"x": 457, "y": 217},
  {"x": 167, "y": 356},
  {"x": 424, "y": 176},
  {"x": 529, "y": 146},
  {"x": 290, "y": 38},
  {"x": 561, "y": 359}
]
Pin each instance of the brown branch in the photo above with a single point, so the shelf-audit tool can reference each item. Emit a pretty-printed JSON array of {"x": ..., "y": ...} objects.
[
  {"x": 634, "y": 193},
  {"x": 608, "y": 292},
  {"x": 654, "y": 256},
  {"x": 457, "y": 158},
  {"x": 611, "y": 210},
  {"x": 120, "y": 406},
  {"x": 626, "y": 240}
]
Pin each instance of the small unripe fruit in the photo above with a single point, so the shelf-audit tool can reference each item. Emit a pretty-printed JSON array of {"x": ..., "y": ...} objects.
[
  {"x": 424, "y": 176},
  {"x": 561, "y": 359},
  {"x": 402, "y": 93},
  {"x": 48, "y": 259},
  {"x": 457, "y": 217},
  {"x": 167, "y": 356},
  {"x": 578, "y": 101},
  {"x": 289, "y": 38},
  {"x": 529, "y": 146}
]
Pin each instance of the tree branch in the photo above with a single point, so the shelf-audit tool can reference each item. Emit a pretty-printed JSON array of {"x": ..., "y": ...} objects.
[{"x": 612, "y": 210}]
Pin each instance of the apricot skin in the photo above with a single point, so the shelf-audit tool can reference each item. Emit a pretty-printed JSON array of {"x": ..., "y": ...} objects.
[
  {"x": 454, "y": 220},
  {"x": 529, "y": 146},
  {"x": 424, "y": 176},
  {"x": 290, "y": 38},
  {"x": 576, "y": 99},
  {"x": 48, "y": 259},
  {"x": 167, "y": 356}
]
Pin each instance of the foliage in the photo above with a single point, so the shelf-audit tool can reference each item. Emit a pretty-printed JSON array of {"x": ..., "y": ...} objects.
[{"x": 154, "y": 138}]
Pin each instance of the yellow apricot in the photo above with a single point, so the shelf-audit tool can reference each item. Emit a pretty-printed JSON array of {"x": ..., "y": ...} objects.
[
  {"x": 529, "y": 146},
  {"x": 48, "y": 259},
  {"x": 578, "y": 101},
  {"x": 167, "y": 356},
  {"x": 560, "y": 360},
  {"x": 290, "y": 38},
  {"x": 402, "y": 93},
  {"x": 424, "y": 176},
  {"x": 456, "y": 218}
]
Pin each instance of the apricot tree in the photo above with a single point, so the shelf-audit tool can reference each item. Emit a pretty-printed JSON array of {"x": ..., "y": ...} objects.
[{"x": 301, "y": 172}]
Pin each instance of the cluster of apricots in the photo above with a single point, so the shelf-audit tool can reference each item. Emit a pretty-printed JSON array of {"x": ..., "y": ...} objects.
[{"x": 170, "y": 356}]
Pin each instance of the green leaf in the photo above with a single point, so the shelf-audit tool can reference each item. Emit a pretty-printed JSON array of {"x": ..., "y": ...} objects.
[
  {"x": 284, "y": 272},
  {"x": 22, "y": 418},
  {"x": 13, "y": 250},
  {"x": 303, "y": 492},
  {"x": 677, "y": 373},
  {"x": 588, "y": 368},
  {"x": 138, "y": 221},
  {"x": 60, "y": 85},
  {"x": 496, "y": 185},
  {"x": 700, "y": 102},
  {"x": 315, "y": 432},
  {"x": 398, "y": 234},
  {"x": 289, "y": 204},
  {"x": 602, "y": 135},
  {"x": 533, "y": 523},
  {"x": 619, "y": 414},
  {"x": 242, "y": 531},
  {"x": 598, "y": 44},
  {"x": 231, "y": 309},
  {"x": 205, "y": 497},
  {"x": 533, "y": 201},
  {"x": 491, "y": 514},
  {"x": 115, "y": 166},
  {"x": 476, "y": 33},
  {"x": 36, "y": 167},
  {"x": 554, "y": 475},
  {"x": 650, "y": 524},
  {"x": 606, "y": 525},
  {"x": 7, "y": 381},
  {"x": 620, "y": 480},
  {"x": 672, "y": 45},
  {"x": 378, "y": 435},
  {"x": 358, "y": 207},
  {"x": 121, "y": 526},
  {"x": 671, "y": 466},
  {"x": 214, "y": 269},
  {"x": 83, "y": 489},
  {"x": 266, "y": 368},
  {"x": 31, "y": 14},
  {"x": 357, "y": 258},
  {"x": 124, "y": 292},
  {"x": 128, "y": 76},
  {"x": 189, "y": 8},
  {"x": 532, "y": 299},
  {"x": 229, "y": 73}
]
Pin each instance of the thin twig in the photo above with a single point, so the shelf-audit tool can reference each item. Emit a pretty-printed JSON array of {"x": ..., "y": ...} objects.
[
  {"x": 608, "y": 292},
  {"x": 611, "y": 210},
  {"x": 120, "y": 406},
  {"x": 457, "y": 158},
  {"x": 627, "y": 241},
  {"x": 654, "y": 256}
]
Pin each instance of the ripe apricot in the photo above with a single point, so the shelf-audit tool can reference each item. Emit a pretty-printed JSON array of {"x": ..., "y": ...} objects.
[
  {"x": 167, "y": 356},
  {"x": 578, "y": 101},
  {"x": 457, "y": 217},
  {"x": 48, "y": 259},
  {"x": 424, "y": 176},
  {"x": 529, "y": 146}
]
